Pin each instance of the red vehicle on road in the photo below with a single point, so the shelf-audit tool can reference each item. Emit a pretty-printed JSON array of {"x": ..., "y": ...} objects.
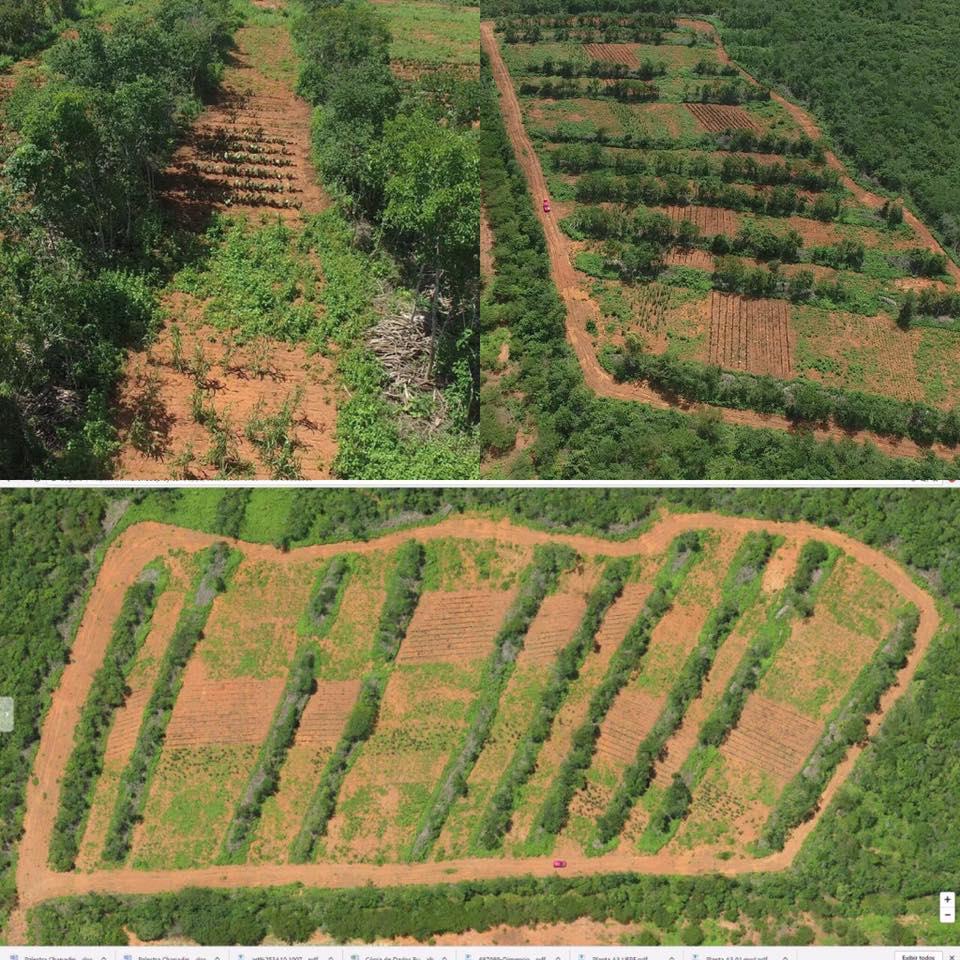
[
  {"x": 546, "y": 209},
  {"x": 559, "y": 864}
]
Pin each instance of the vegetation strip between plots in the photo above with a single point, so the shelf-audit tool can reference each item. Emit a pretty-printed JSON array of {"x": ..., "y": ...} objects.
[
  {"x": 813, "y": 567},
  {"x": 539, "y": 580},
  {"x": 846, "y": 726},
  {"x": 684, "y": 552},
  {"x": 326, "y": 597},
  {"x": 403, "y": 594},
  {"x": 266, "y": 773},
  {"x": 216, "y": 564},
  {"x": 740, "y": 589},
  {"x": 108, "y": 692},
  {"x": 496, "y": 818}
]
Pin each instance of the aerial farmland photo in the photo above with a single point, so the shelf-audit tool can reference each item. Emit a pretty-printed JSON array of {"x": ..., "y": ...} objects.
[
  {"x": 239, "y": 239},
  {"x": 242, "y": 716},
  {"x": 720, "y": 243}
]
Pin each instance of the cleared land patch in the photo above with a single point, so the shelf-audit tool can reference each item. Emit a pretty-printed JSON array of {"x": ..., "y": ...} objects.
[
  {"x": 718, "y": 117},
  {"x": 612, "y": 53},
  {"x": 193, "y": 790},
  {"x": 448, "y": 627},
  {"x": 750, "y": 334}
]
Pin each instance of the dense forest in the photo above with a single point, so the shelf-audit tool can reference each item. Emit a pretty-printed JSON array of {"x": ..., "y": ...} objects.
[
  {"x": 869, "y": 873},
  {"x": 882, "y": 75}
]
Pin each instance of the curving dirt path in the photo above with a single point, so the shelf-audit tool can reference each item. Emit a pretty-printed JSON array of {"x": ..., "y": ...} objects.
[
  {"x": 581, "y": 308},
  {"x": 139, "y": 544}
]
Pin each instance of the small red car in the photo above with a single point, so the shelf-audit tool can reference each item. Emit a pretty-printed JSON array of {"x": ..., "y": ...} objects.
[
  {"x": 559, "y": 864},
  {"x": 546, "y": 205}
]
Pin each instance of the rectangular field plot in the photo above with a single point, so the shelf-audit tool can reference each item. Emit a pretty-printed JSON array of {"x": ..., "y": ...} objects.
[
  {"x": 784, "y": 717},
  {"x": 716, "y": 118},
  {"x": 612, "y": 53},
  {"x": 749, "y": 333},
  {"x": 551, "y": 630},
  {"x": 192, "y": 795},
  {"x": 873, "y": 354},
  {"x": 452, "y": 626},
  {"x": 244, "y": 638}
]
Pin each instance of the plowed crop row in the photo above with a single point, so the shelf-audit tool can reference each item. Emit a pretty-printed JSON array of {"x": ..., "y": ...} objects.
[
  {"x": 772, "y": 737},
  {"x": 694, "y": 257},
  {"x": 750, "y": 334},
  {"x": 715, "y": 118},
  {"x": 553, "y": 627},
  {"x": 231, "y": 712},
  {"x": 630, "y": 718},
  {"x": 710, "y": 220},
  {"x": 326, "y": 712},
  {"x": 448, "y": 627},
  {"x": 249, "y": 151},
  {"x": 612, "y": 53}
]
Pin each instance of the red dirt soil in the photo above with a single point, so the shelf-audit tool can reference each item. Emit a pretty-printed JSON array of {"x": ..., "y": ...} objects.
[
  {"x": 612, "y": 53},
  {"x": 326, "y": 712},
  {"x": 240, "y": 379},
  {"x": 219, "y": 712},
  {"x": 250, "y": 151},
  {"x": 581, "y": 309},
  {"x": 715, "y": 118},
  {"x": 772, "y": 737},
  {"x": 142, "y": 542},
  {"x": 450, "y": 627},
  {"x": 750, "y": 334}
]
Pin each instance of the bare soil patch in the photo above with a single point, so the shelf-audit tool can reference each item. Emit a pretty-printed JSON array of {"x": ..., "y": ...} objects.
[
  {"x": 772, "y": 737},
  {"x": 715, "y": 118},
  {"x": 710, "y": 220},
  {"x": 221, "y": 711},
  {"x": 612, "y": 53},
  {"x": 450, "y": 626},
  {"x": 242, "y": 382},
  {"x": 326, "y": 712},
  {"x": 750, "y": 334}
]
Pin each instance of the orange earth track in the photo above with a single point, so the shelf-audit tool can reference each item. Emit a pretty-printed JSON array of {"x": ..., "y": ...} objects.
[
  {"x": 581, "y": 309},
  {"x": 139, "y": 544}
]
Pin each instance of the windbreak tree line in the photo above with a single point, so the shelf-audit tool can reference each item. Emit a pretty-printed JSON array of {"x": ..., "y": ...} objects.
[
  {"x": 406, "y": 163},
  {"x": 81, "y": 235}
]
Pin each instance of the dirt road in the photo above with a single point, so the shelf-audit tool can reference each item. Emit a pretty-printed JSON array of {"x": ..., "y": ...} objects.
[
  {"x": 141, "y": 543},
  {"x": 581, "y": 309}
]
